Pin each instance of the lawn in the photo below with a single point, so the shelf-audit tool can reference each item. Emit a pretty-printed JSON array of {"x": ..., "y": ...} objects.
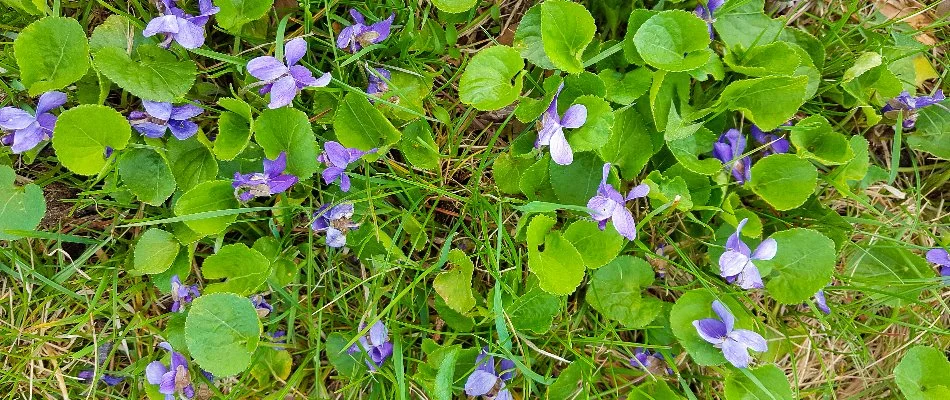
[{"x": 474, "y": 199}]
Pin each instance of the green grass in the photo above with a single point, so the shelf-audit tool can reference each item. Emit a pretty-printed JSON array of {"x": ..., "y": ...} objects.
[{"x": 64, "y": 293}]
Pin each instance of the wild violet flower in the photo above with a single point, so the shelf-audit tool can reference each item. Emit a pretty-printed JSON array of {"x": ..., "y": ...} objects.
[
  {"x": 706, "y": 12},
  {"x": 909, "y": 105},
  {"x": 485, "y": 381},
  {"x": 942, "y": 258},
  {"x": 159, "y": 117},
  {"x": 359, "y": 35},
  {"x": 87, "y": 375},
  {"x": 336, "y": 222},
  {"x": 377, "y": 81},
  {"x": 182, "y": 294},
  {"x": 649, "y": 361},
  {"x": 28, "y": 130},
  {"x": 777, "y": 144},
  {"x": 376, "y": 343},
  {"x": 821, "y": 303},
  {"x": 187, "y": 30},
  {"x": 733, "y": 342},
  {"x": 608, "y": 204},
  {"x": 284, "y": 81},
  {"x": 337, "y": 158},
  {"x": 736, "y": 263},
  {"x": 173, "y": 379},
  {"x": 729, "y": 149},
  {"x": 261, "y": 305},
  {"x": 552, "y": 129},
  {"x": 268, "y": 183}
]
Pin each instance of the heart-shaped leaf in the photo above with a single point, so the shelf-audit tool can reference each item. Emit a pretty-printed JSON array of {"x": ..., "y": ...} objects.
[
  {"x": 784, "y": 180},
  {"x": 566, "y": 30},
  {"x": 492, "y": 79},
  {"x": 146, "y": 174},
  {"x": 455, "y": 284},
  {"x": 24, "y": 207},
  {"x": 52, "y": 53},
  {"x": 155, "y": 251},
  {"x": 222, "y": 332},
  {"x": 673, "y": 40},
  {"x": 615, "y": 291},
  {"x": 288, "y": 130},
  {"x": 243, "y": 269},
  {"x": 83, "y": 134},
  {"x": 156, "y": 74}
]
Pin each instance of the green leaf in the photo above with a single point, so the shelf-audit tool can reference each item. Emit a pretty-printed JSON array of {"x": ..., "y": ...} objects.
[
  {"x": 235, "y": 13},
  {"x": 615, "y": 291},
  {"x": 408, "y": 90},
  {"x": 740, "y": 387},
  {"x": 455, "y": 284},
  {"x": 244, "y": 270},
  {"x": 626, "y": 88},
  {"x": 894, "y": 275},
  {"x": 776, "y": 58},
  {"x": 784, "y": 180},
  {"x": 695, "y": 305},
  {"x": 52, "y": 53},
  {"x": 933, "y": 131},
  {"x": 24, "y": 207},
  {"x": 181, "y": 267},
  {"x": 116, "y": 31},
  {"x": 191, "y": 162},
  {"x": 595, "y": 132},
  {"x": 687, "y": 151},
  {"x": 815, "y": 138},
  {"x": 802, "y": 265},
  {"x": 746, "y": 26},
  {"x": 597, "y": 247},
  {"x": 492, "y": 79},
  {"x": 237, "y": 106},
  {"x": 82, "y": 134},
  {"x": 768, "y": 102},
  {"x": 670, "y": 90},
  {"x": 206, "y": 197},
  {"x": 923, "y": 374},
  {"x": 338, "y": 356},
  {"x": 874, "y": 86},
  {"x": 288, "y": 130},
  {"x": 558, "y": 266},
  {"x": 629, "y": 146},
  {"x": 32, "y": 7},
  {"x": 533, "y": 311},
  {"x": 665, "y": 190},
  {"x": 234, "y": 133},
  {"x": 566, "y": 30},
  {"x": 271, "y": 363},
  {"x": 358, "y": 124},
  {"x": 155, "y": 251},
  {"x": 147, "y": 175},
  {"x": 452, "y": 318},
  {"x": 572, "y": 383},
  {"x": 576, "y": 183},
  {"x": 857, "y": 168},
  {"x": 636, "y": 20},
  {"x": 222, "y": 332},
  {"x": 444, "y": 378},
  {"x": 673, "y": 40},
  {"x": 528, "y": 38},
  {"x": 454, "y": 6},
  {"x": 418, "y": 145},
  {"x": 156, "y": 75},
  {"x": 864, "y": 63}
]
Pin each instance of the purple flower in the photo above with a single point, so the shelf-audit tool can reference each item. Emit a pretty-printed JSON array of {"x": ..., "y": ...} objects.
[
  {"x": 182, "y": 294},
  {"x": 777, "y": 144},
  {"x": 278, "y": 337},
  {"x": 486, "y": 381},
  {"x": 736, "y": 263},
  {"x": 909, "y": 105},
  {"x": 706, "y": 12},
  {"x": 821, "y": 303},
  {"x": 187, "y": 30},
  {"x": 729, "y": 148},
  {"x": 552, "y": 129},
  {"x": 335, "y": 221},
  {"x": 733, "y": 342},
  {"x": 28, "y": 130},
  {"x": 608, "y": 204},
  {"x": 268, "y": 183},
  {"x": 159, "y": 117},
  {"x": 359, "y": 35},
  {"x": 377, "y": 81},
  {"x": 376, "y": 344},
  {"x": 942, "y": 258},
  {"x": 261, "y": 305},
  {"x": 652, "y": 362},
  {"x": 173, "y": 379},
  {"x": 87, "y": 375},
  {"x": 337, "y": 158},
  {"x": 284, "y": 81}
]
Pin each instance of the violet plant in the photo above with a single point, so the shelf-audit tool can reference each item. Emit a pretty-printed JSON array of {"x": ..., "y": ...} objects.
[
  {"x": 721, "y": 333},
  {"x": 285, "y": 79},
  {"x": 26, "y": 130}
]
